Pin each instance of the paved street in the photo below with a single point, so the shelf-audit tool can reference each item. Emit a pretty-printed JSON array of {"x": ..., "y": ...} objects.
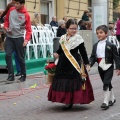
[{"x": 33, "y": 104}]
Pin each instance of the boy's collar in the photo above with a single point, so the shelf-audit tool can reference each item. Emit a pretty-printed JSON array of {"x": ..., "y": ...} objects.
[{"x": 103, "y": 40}]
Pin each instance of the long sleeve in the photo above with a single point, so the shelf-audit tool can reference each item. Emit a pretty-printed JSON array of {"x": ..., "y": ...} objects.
[
  {"x": 28, "y": 27},
  {"x": 93, "y": 57},
  {"x": 83, "y": 53},
  {"x": 6, "y": 21},
  {"x": 59, "y": 51}
]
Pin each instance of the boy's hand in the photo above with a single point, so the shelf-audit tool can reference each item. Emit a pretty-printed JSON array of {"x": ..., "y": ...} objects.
[
  {"x": 25, "y": 43},
  {"x": 118, "y": 72},
  {"x": 56, "y": 55},
  {"x": 88, "y": 67}
]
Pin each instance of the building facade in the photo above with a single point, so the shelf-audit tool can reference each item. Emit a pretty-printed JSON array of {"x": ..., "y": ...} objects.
[
  {"x": 61, "y": 8},
  {"x": 58, "y": 8}
]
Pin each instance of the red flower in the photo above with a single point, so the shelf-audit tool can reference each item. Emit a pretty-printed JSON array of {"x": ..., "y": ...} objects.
[
  {"x": 51, "y": 68},
  {"x": 50, "y": 65}
]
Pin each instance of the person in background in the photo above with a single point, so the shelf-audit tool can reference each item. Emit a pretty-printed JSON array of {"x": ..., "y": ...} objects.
[
  {"x": 65, "y": 19},
  {"x": 1, "y": 32},
  {"x": 118, "y": 29},
  {"x": 61, "y": 29},
  {"x": 111, "y": 31},
  {"x": 71, "y": 84},
  {"x": 90, "y": 17},
  {"x": 105, "y": 53},
  {"x": 85, "y": 16},
  {"x": 17, "y": 21},
  {"x": 1, "y": 18},
  {"x": 54, "y": 22},
  {"x": 82, "y": 25},
  {"x": 17, "y": 64},
  {"x": 88, "y": 25},
  {"x": 36, "y": 20}
]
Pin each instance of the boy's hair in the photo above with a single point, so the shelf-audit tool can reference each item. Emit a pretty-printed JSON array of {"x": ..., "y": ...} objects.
[
  {"x": 20, "y": 1},
  {"x": 102, "y": 27}
]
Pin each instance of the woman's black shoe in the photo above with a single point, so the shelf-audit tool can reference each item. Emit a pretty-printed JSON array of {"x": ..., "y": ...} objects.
[
  {"x": 111, "y": 103},
  {"x": 67, "y": 107}
]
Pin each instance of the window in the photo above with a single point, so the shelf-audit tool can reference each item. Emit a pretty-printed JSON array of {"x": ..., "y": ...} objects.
[{"x": 46, "y": 10}]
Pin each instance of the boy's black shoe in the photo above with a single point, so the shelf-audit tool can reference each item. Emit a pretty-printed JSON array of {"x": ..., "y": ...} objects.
[
  {"x": 18, "y": 74},
  {"x": 10, "y": 79},
  {"x": 22, "y": 78},
  {"x": 67, "y": 107},
  {"x": 111, "y": 103},
  {"x": 105, "y": 106}
]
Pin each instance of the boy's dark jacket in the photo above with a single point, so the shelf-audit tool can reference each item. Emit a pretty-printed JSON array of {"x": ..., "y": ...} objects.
[{"x": 111, "y": 55}]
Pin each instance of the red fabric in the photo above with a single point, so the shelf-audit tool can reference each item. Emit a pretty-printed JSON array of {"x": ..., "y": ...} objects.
[
  {"x": 118, "y": 28},
  {"x": 28, "y": 27},
  {"x": 76, "y": 97},
  {"x": 49, "y": 66},
  {"x": 99, "y": 59}
]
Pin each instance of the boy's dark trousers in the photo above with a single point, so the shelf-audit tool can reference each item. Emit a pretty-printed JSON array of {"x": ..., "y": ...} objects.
[
  {"x": 106, "y": 77},
  {"x": 15, "y": 44}
]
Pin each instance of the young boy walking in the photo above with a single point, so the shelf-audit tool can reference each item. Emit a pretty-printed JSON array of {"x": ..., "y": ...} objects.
[
  {"x": 17, "y": 20},
  {"x": 105, "y": 53}
]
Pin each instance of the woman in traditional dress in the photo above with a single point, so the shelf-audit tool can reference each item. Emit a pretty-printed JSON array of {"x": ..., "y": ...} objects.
[{"x": 71, "y": 85}]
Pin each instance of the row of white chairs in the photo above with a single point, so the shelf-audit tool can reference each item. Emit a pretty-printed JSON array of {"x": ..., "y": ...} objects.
[
  {"x": 53, "y": 28},
  {"x": 41, "y": 43}
]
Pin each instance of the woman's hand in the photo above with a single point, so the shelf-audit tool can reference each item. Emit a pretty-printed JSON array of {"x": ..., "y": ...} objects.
[
  {"x": 88, "y": 67},
  {"x": 56, "y": 55}
]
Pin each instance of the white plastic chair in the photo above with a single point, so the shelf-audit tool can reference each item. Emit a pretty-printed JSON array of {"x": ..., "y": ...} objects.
[
  {"x": 30, "y": 48},
  {"x": 114, "y": 40},
  {"x": 40, "y": 47},
  {"x": 48, "y": 26},
  {"x": 40, "y": 27},
  {"x": 55, "y": 30},
  {"x": 46, "y": 40}
]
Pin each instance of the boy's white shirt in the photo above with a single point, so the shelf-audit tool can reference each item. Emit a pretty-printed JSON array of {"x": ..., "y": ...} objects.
[
  {"x": 101, "y": 54},
  {"x": 101, "y": 49}
]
